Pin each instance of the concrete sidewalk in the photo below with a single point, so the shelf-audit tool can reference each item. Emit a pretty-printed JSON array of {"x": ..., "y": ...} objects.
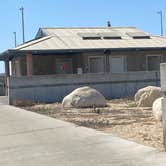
[
  {"x": 3, "y": 100},
  {"x": 30, "y": 139}
]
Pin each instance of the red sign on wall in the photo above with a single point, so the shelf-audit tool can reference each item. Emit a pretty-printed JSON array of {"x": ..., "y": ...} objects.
[{"x": 64, "y": 67}]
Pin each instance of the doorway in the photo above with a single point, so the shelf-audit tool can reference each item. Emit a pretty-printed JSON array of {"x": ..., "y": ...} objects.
[{"x": 116, "y": 64}]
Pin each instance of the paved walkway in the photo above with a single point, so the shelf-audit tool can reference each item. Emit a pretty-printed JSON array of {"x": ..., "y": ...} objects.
[
  {"x": 3, "y": 100},
  {"x": 30, "y": 139}
]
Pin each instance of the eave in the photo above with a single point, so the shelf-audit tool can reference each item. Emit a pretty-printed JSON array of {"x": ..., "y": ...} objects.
[{"x": 9, "y": 54}]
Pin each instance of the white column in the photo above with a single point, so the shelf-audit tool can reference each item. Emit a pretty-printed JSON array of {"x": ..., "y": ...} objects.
[
  {"x": 163, "y": 88},
  {"x": 7, "y": 74}
]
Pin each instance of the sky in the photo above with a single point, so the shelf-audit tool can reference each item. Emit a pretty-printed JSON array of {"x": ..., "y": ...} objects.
[{"x": 76, "y": 13}]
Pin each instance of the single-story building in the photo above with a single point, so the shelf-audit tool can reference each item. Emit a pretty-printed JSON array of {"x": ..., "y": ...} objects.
[{"x": 117, "y": 61}]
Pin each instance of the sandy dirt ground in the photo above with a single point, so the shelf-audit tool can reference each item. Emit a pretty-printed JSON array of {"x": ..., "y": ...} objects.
[{"x": 121, "y": 118}]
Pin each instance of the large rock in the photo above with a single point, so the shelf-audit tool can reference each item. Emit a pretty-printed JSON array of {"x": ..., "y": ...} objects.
[
  {"x": 146, "y": 96},
  {"x": 84, "y": 97},
  {"x": 157, "y": 109}
]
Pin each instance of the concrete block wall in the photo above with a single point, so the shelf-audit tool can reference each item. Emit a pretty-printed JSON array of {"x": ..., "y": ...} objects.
[{"x": 53, "y": 88}]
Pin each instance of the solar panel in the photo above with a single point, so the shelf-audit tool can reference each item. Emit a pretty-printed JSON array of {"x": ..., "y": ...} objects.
[
  {"x": 110, "y": 35},
  {"x": 138, "y": 35},
  {"x": 90, "y": 36}
]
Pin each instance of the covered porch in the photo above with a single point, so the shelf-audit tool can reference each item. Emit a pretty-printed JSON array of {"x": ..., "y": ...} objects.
[
  {"x": 48, "y": 77},
  {"x": 104, "y": 61}
]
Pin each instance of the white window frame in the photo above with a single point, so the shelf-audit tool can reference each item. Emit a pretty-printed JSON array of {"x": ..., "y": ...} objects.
[{"x": 98, "y": 56}]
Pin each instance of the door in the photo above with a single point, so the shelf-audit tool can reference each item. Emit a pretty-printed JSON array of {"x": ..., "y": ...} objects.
[
  {"x": 116, "y": 64},
  {"x": 96, "y": 64}
]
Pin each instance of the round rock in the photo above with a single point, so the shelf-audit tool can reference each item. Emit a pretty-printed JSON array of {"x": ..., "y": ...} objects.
[
  {"x": 157, "y": 109},
  {"x": 146, "y": 96},
  {"x": 84, "y": 97}
]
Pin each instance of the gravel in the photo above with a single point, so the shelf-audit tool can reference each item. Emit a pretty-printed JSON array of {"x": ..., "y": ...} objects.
[{"x": 121, "y": 117}]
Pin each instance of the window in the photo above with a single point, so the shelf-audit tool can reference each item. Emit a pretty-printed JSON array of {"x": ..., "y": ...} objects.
[{"x": 153, "y": 63}]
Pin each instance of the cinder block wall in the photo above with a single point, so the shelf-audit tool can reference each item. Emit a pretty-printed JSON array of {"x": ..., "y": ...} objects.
[{"x": 53, "y": 88}]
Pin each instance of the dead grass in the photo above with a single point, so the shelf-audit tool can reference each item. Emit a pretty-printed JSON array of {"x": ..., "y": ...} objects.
[{"x": 121, "y": 117}]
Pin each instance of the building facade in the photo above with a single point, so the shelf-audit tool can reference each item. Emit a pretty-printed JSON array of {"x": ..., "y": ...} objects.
[{"x": 59, "y": 60}]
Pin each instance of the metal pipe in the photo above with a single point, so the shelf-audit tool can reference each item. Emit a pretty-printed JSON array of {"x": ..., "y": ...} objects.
[
  {"x": 15, "y": 39},
  {"x": 161, "y": 21},
  {"x": 23, "y": 33}
]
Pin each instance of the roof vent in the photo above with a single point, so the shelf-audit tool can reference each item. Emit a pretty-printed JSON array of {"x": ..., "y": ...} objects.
[
  {"x": 138, "y": 35},
  {"x": 90, "y": 36},
  {"x": 110, "y": 35}
]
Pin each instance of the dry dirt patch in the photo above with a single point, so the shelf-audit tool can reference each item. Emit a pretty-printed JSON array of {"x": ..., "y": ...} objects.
[{"x": 121, "y": 117}]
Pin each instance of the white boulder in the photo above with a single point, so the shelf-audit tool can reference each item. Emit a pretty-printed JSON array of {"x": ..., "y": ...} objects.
[
  {"x": 146, "y": 96},
  {"x": 157, "y": 109},
  {"x": 84, "y": 97}
]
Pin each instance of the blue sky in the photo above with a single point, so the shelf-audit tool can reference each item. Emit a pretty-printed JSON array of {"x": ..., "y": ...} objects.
[{"x": 50, "y": 13}]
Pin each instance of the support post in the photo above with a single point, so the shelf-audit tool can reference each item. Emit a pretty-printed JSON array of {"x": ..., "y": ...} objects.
[
  {"x": 163, "y": 88},
  {"x": 29, "y": 62},
  {"x": 7, "y": 74}
]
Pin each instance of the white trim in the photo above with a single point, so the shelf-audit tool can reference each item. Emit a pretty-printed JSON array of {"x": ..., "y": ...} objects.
[{"x": 98, "y": 56}]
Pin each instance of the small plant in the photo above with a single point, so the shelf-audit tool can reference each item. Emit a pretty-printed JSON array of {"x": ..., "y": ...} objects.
[
  {"x": 96, "y": 110},
  {"x": 22, "y": 103}
]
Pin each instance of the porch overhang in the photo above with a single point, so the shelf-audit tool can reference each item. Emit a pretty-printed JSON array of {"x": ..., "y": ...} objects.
[{"x": 9, "y": 54}]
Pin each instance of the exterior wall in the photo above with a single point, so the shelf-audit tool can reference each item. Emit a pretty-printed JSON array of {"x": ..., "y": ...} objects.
[
  {"x": 19, "y": 66},
  {"x": 23, "y": 69},
  {"x": 136, "y": 63},
  {"x": 133, "y": 61},
  {"x": 47, "y": 64},
  {"x": 77, "y": 62},
  {"x": 43, "y": 65},
  {"x": 163, "y": 59},
  {"x": 54, "y": 88}
]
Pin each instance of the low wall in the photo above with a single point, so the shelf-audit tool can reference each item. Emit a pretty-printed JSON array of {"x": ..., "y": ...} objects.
[
  {"x": 54, "y": 87},
  {"x": 2, "y": 85}
]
